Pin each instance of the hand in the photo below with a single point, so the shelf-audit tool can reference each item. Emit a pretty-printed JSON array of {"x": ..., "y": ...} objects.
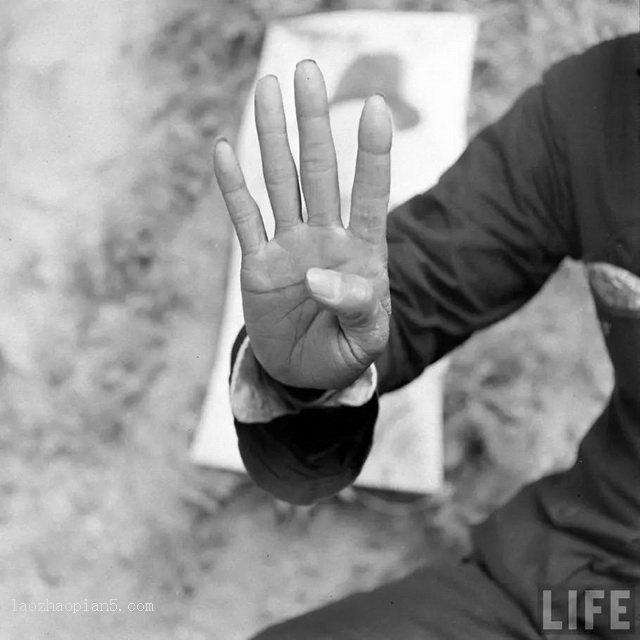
[{"x": 315, "y": 296}]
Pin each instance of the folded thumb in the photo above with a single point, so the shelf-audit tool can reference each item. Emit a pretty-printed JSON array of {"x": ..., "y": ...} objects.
[{"x": 354, "y": 301}]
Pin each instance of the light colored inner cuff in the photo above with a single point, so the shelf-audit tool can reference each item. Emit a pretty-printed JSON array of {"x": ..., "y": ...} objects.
[
  {"x": 255, "y": 399},
  {"x": 615, "y": 286}
]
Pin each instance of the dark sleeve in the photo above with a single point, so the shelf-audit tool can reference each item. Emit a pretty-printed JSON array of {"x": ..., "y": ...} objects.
[
  {"x": 461, "y": 256},
  {"x": 308, "y": 456},
  {"x": 480, "y": 243}
]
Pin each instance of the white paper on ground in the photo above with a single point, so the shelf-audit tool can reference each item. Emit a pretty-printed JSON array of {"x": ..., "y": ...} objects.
[{"x": 422, "y": 62}]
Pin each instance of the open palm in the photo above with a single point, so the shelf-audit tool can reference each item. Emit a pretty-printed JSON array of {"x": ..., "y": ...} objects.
[{"x": 315, "y": 296}]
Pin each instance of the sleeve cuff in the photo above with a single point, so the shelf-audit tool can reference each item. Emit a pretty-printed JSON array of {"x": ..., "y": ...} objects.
[{"x": 257, "y": 399}]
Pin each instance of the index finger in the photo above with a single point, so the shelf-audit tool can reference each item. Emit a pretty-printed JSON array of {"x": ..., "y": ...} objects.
[{"x": 372, "y": 181}]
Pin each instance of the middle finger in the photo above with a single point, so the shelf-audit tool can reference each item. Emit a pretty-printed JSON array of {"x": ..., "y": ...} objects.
[{"x": 318, "y": 166}]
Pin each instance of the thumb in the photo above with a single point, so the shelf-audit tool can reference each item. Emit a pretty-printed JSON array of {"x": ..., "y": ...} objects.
[{"x": 360, "y": 311}]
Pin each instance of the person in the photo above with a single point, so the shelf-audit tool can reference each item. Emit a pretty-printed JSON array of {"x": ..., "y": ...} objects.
[{"x": 336, "y": 316}]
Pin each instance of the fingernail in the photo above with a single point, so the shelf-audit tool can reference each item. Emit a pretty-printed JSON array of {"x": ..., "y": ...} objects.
[
  {"x": 311, "y": 60},
  {"x": 220, "y": 139},
  {"x": 324, "y": 284},
  {"x": 379, "y": 93}
]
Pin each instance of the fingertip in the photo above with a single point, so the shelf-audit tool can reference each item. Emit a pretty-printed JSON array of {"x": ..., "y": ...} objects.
[
  {"x": 269, "y": 81},
  {"x": 323, "y": 284},
  {"x": 268, "y": 98},
  {"x": 375, "y": 132},
  {"x": 225, "y": 163},
  {"x": 307, "y": 62},
  {"x": 310, "y": 89},
  {"x": 221, "y": 149},
  {"x": 309, "y": 71},
  {"x": 376, "y": 105},
  {"x": 379, "y": 109},
  {"x": 315, "y": 275}
]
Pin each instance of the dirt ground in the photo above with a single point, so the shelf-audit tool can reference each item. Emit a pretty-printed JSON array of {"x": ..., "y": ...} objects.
[{"x": 114, "y": 245}]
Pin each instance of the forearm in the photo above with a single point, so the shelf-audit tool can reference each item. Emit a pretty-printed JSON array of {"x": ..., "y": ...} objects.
[
  {"x": 478, "y": 245},
  {"x": 300, "y": 445}
]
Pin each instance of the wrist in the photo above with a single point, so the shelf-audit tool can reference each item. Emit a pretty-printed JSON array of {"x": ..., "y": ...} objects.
[{"x": 303, "y": 394}]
